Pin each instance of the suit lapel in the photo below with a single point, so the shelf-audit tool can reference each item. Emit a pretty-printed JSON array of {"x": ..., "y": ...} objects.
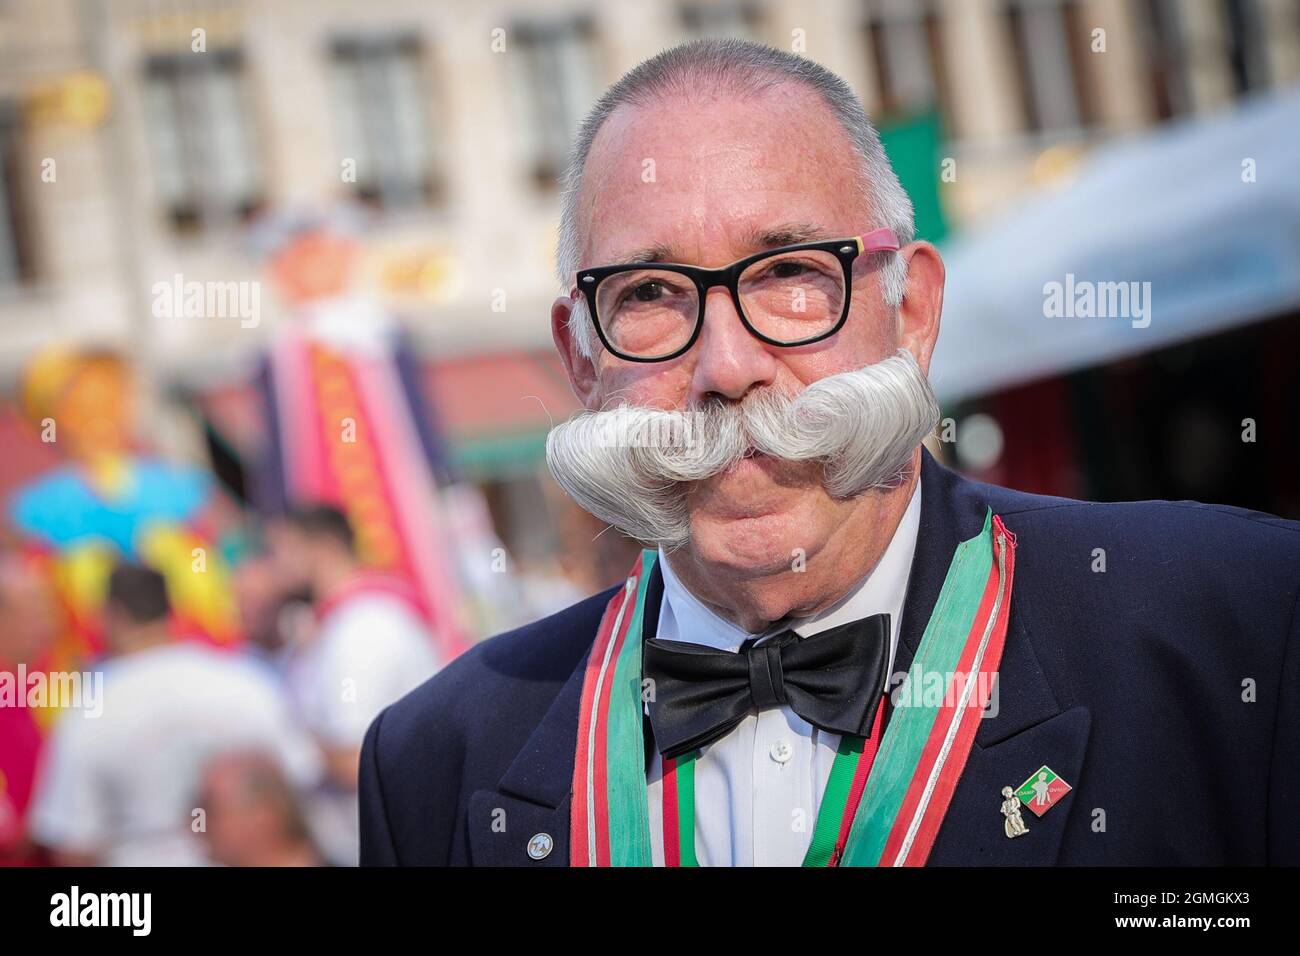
[
  {"x": 1025, "y": 727},
  {"x": 534, "y": 795}
]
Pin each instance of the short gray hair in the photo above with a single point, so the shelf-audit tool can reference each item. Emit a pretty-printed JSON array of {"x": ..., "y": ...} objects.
[{"x": 750, "y": 68}]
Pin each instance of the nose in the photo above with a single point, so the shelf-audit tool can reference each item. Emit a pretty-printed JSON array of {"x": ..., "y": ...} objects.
[{"x": 729, "y": 361}]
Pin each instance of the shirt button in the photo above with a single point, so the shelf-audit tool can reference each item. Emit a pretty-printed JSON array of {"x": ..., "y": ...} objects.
[{"x": 781, "y": 752}]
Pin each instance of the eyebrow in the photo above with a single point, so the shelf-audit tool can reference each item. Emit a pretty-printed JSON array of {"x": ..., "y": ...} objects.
[
  {"x": 788, "y": 234},
  {"x": 659, "y": 252},
  {"x": 772, "y": 237}
]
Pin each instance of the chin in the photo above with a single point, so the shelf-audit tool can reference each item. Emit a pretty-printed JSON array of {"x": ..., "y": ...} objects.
[{"x": 759, "y": 537}]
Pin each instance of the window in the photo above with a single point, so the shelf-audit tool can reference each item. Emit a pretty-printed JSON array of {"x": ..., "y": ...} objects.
[
  {"x": 1238, "y": 46},
  {"x": 1051, "y": 42},
  {"x": 1244, "y": 37},
  {"x": 1166, "y": 58},
  {"x": 553, "y": 84},
  {"x": 15, "y": 252},
  {"x": 906, "y": 45},
  {"x": 723, "y": 18},
  {"x": 202, "y": 137},
  {"x": 381, "y": 117}
]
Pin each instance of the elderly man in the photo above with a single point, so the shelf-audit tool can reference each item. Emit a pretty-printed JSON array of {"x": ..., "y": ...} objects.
[{"x": 800, "y": 668}]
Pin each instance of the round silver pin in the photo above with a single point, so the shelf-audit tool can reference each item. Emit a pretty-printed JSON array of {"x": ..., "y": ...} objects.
[{"x": 540, "y": 846}]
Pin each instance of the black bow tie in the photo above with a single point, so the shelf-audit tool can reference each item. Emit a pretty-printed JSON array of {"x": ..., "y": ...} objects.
[{"x": 833, "y": 679}]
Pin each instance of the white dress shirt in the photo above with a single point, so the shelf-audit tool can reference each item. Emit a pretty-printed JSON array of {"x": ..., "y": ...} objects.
[{"x": 758, "y": 789}]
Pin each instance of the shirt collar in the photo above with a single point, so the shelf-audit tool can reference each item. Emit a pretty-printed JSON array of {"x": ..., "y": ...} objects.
[{"x": 683, "y": 617}]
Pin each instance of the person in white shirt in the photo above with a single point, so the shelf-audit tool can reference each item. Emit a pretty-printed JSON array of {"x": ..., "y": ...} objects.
[
  {"x": 118, "y": 784},
  {"x": 369, "y": 645}
]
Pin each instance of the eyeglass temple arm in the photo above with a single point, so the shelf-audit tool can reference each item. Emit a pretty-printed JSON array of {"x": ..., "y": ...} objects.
[{"x": 878, "y": 240}]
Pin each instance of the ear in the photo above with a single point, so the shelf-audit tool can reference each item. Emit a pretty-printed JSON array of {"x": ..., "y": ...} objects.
[
  {"x": 918, "y": 316},
  {"x": 580, "y": 369}
]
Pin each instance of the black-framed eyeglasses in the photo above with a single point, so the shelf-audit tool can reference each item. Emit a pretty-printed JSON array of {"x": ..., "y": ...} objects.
[{"x": 794, "y": 295}]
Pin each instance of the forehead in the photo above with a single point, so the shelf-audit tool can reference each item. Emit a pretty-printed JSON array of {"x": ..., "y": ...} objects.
[{"x": 702, "y": 175}]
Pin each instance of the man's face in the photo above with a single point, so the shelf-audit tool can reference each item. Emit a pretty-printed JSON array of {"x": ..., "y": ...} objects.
[
  {"x": 315, "y": 265},
  {"x": 290, "y": 554},
  {"x": 96, "y": 411},
  {"x": 28, "y": 615},
  {"x": 730, "y": 176},
  {"x": 239, "y": 826}
]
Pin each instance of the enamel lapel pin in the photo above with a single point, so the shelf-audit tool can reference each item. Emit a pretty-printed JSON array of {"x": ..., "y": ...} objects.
[{"x": 1042, "y": 791}]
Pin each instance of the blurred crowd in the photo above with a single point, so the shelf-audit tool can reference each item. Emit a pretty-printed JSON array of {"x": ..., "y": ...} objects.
[
  {"x": 171, "y": 749},
  {"x": 189, "y": 663}
]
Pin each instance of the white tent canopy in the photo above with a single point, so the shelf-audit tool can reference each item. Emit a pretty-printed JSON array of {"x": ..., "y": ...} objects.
[{"x": 1175, "y": 209}]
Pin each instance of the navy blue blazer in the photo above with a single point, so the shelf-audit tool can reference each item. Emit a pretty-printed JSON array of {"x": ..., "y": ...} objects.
[{"x": 1165, "y": 690}]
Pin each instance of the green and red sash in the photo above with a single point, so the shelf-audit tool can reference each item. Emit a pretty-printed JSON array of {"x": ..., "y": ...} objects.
[{"x": 886, "y": 796}]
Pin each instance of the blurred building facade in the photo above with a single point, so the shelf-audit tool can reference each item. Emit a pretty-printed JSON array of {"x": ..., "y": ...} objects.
[{"x": 139, "y": 138}]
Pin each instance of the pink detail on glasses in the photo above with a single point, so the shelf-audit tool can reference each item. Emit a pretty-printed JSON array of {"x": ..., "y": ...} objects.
[{"x": 878, "y": 240}]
